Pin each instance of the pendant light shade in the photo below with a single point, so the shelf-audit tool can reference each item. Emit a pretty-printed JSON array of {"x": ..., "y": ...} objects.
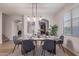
[
  {"x": 28, "y": 18},
  {"x": 40, "y": 18},
  {"x": 34, "y": 18}
]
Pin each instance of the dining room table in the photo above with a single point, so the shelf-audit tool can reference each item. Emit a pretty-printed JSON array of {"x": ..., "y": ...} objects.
[
  {"x": 39, "y": 39},
  {"x": 36, "y": 40}
]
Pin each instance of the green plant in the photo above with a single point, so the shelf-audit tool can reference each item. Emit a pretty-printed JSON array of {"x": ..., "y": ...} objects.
[{"x": 53, "y": 30}]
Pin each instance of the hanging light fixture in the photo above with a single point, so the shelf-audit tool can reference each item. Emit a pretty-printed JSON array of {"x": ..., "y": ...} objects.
[
  {"x": 36, "y": 9},
  {"x": 28, "y": 18},
  {"x": 40, "y": 18},
  {"x": 32, "y": 11},
  {"x": 34, "y": 18},
  {"x": 34, "y": 15}
]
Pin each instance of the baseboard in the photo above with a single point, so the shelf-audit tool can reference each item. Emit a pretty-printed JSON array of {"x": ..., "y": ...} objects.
[{"x": 69, "y": 52}]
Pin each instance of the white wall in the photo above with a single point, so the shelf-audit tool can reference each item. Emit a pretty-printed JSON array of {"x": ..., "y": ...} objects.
[
  {"x": 70, "y": 42},
  {"x": 0, "y": 27},
  {"x": 9, "y": 27},
  {"x": 6, "y": 26}
]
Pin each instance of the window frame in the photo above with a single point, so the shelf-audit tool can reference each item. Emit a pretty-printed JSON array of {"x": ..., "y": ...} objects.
[{"x": 71, "y": 24}]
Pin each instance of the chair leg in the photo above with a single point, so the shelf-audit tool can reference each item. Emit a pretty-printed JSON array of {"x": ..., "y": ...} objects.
[
  {"x": 24, "y": 54},
  {"x": 59, "y": 45},
  {"x": 22, "y": 51},
  {"x": 33, "y": 52},
  {"x": 52, "y": 54},
  {"x": 18, "y": 46},
  {"x": 62, "y": 48},
  {"x": 14, "y": 48},
  {"x": 43, "y": 52}
]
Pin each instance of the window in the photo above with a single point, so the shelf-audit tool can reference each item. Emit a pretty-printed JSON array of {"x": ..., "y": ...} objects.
[
  {"x": 75, "y": 26},
  {"x": 67, "y": 23},
  {"x": 71, "y": 22},
  {"x": 75, "y": 21}
]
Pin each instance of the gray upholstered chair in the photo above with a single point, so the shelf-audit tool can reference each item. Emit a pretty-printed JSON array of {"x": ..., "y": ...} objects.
[
  {"x": 16, "y": 42},
  {"x": 50, "y": 46},
  {"x": 27, "y": 46},
  {"x": 60, "y": 42}
]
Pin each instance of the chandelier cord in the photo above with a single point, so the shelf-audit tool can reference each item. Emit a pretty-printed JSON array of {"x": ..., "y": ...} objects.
[
  {"x": 36, "y": 9},
  {"x": 32, "y": 10}
]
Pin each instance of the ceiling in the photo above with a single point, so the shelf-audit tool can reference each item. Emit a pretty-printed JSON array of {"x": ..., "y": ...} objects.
[{"x": 26, "y": 8}]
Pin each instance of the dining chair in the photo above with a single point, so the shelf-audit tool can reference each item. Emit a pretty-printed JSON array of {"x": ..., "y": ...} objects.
[
  {"x": 27, "y": 46},
  {"x": 60, "y": 42},
  {"x": 50, "y": 46},
  {"x": 16, "y": 42}
]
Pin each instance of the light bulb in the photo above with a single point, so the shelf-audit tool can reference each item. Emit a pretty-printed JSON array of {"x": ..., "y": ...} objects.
[
  {"x": 28, "y": 18},
  {"x": 40, "y": 18},
  {"x": 34, "y": 18}
]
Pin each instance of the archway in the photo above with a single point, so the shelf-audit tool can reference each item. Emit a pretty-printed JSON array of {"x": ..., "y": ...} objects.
[{"x": 44, "y": 26}]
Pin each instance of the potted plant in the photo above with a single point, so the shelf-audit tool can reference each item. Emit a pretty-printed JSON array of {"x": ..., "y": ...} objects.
[{"x": 53, "y": 30}]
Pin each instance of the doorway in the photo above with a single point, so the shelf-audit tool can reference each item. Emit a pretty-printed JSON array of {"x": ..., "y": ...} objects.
[
  {"x": 18, "y": 28},
  {"x": 43, "y": 27}
]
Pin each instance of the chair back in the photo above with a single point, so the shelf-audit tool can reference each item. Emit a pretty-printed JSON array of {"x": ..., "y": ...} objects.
[
  {"x": 49, "y": 44},
  {"x": 27, "y": 44},
  {"x": 14, "y": 39},
  {"x": 62, "y": 37}
]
